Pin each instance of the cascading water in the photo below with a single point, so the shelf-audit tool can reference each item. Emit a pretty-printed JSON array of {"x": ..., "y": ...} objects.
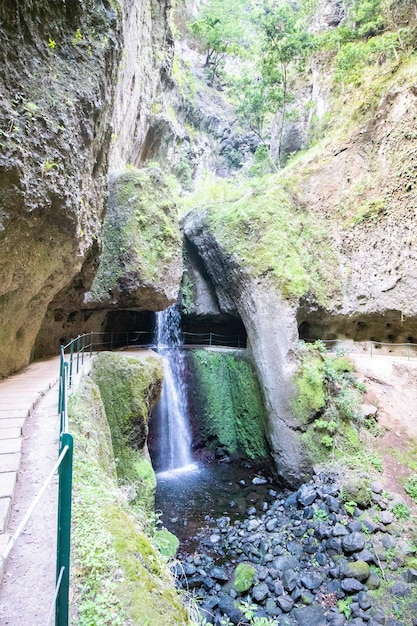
[{"x": 174, "y": 437}]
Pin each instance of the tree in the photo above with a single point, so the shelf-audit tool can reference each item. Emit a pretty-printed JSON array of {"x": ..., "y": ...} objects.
[
  {"x": 286, "y": 42},
  {"x": 222, "y": 27}
]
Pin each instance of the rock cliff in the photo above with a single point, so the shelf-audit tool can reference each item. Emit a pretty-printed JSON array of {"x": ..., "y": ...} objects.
[
  {"x": 77, "y": 83},
  {"x": 271, "y": 326}
]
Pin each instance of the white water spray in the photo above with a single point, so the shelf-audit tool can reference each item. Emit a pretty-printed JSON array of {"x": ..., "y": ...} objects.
[{"x": 174, "y": 435}]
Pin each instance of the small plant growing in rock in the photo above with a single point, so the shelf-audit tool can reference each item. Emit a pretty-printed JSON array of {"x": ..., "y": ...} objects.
[
  {"x": 320, "y": 515},
  {"x": 411, "y": 487},
  {"x": 51, "y": 44},
  {"x": 401, "y": 511},
  {"x": 343, "y": 606}
]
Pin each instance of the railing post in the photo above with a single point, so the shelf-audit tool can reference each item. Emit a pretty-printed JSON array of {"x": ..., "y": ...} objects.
[
  {"x": 83, "y": 348},
  {"x": 70, "y": 362},
  {"x": 78, "y": 352},
  {"x": 61, "y": 372},
  {"x": 64, "y": 532},
  {"x": 371, "y": 347},
  {"x": 91, "y": 345},
  {"x": 210, "y": 338}
]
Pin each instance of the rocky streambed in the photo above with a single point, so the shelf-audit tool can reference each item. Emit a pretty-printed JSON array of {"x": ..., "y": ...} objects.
[{"x": 309, "y": 558}]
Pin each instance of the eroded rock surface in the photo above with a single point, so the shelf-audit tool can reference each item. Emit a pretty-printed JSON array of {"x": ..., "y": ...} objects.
[{"x": 272, "y": 336}]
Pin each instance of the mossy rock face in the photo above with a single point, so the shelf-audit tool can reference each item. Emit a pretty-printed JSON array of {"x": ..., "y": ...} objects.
[
  {"x": 244, "y": 577},
  {"x": 129, "y": 388},
  {"x": 141, "y": 260},
  {"x": 358, "y": 490},
  {"x": 167, "y": 542},
  {"x": 359, "y": 570},
  {"x": 229, "y": 403},
  {"x": 119, "y": 569}
]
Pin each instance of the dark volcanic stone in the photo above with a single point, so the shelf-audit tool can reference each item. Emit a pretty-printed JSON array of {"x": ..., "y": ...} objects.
[
  {"x": 351, "y": 585},
  {"x": 260, "y": 592},
  {"x": 227, "y": 607},
  {"x": 353, "y": 543},
  {"x": 400, "y": 589},
  {"x": 289, "y": 579},
  {"x": 285, "y": 603},
  {"x": 311, "y": 581},
  {"x": 410, "y": 575},
  {"x": 306, "y": 495},
  {"x": 310, "y": 616}
]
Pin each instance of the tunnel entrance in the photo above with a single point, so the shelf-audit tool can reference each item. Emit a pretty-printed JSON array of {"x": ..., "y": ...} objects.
[{"x": 137, "y": 328}]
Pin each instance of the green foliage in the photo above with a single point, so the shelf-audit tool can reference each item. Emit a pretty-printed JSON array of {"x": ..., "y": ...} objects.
[
  {"x": 244, "y": 577},
  {"x": 183, "y": 173},
  {"x": 311, "y": 393},
  {"x": 328, "y": 403},
  {"x": 350, "y": 506},
  {"x": 257, "y": 223},
  {"x": 222, "y": 28},
  {"x": 411, "y": 487},
  {"x": 320, "y": 515},
  {"x": 262, "y": 162},
  {"x": 401, "y": 511},
  {"x": 166, "y": 542},
  {"x": 229, "y": 400},
  {"x": 343, "y": 606},
  {"x": 140, "y": 233}
]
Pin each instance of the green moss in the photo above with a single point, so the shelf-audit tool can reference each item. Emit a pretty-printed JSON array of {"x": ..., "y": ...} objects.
[
  {"x": 119, "y": 575},
  {"x": 328, "y": 404},
  {"x": 167, "y": 542},
  {"x": 259, "y": 223},
  {"x": 357, "y": 490},
  {"x": 141, "y": 235},
  {"x": 359, "y": 570},
  {"x": 129, "y": 388},
  {"x": 229, "y": 400},
  {"x": 244, "y": 576}
]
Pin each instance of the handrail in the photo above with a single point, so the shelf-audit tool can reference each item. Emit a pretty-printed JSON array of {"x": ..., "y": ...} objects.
[
  {"x": 371, "y": 346},
  {"x": 13, "y": 539}
]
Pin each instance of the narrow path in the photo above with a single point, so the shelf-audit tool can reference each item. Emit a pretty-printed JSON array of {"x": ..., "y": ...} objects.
[{"x": 27, "y": 590}]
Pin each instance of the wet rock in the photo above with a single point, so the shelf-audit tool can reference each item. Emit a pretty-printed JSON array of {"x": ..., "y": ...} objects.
[{"x": 259, "y": 480}]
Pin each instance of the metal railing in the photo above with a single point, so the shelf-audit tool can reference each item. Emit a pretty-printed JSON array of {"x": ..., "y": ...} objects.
[{"x": 372, "y": 348}]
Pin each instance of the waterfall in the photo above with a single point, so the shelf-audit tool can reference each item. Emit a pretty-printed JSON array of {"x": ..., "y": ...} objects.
[{"x": 174, "y": 448}]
